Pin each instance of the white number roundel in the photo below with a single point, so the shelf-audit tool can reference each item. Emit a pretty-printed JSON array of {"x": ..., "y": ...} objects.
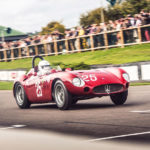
[
  {"x": 38, "y": 89},
  {"x": 90, "y": 77}
]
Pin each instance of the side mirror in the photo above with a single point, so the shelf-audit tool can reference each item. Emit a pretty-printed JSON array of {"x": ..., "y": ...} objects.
[
  {"x": 24, "y": 77},
  {"x": 68, "y": 69},
  {"x": 53, "y": 71}
]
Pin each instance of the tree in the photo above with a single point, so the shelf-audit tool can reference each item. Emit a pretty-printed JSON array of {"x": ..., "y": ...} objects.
[
  {"x": 121, "y": 8},
  {"x": 116, "y": 12},
  {"x": 112, "y": 2},
  {"x": 134, "y": 6},
  {"x": 8, "y": 30},
  {"x": 148, "y": 6},
  {"x": 52, "y": 26},
  {"x": 92, "y": 17}
]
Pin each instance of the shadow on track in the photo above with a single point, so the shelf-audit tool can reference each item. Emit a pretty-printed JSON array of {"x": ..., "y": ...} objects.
[
  {"x": 84, "y": 106},
  {"x": 44, "y": 106},
  {"x": 74, "y": 107}
]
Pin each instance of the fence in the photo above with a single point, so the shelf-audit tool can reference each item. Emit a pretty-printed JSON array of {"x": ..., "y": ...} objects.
[{"x": 91, "y": 42}]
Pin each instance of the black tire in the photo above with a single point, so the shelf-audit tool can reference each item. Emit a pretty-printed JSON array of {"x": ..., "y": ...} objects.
[
  {"x": 74, "y": 101},
  {"x": 21, "y": 97},
  {"x": 62, "y": 97},
  {"x": 119, "y": 98}
]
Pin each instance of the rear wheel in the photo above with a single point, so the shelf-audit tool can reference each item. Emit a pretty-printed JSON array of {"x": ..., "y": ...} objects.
[
  {"x": 62, "y": 97},
  {"x": 21, "y": 97},
  {"x": 119, "y": 98}
]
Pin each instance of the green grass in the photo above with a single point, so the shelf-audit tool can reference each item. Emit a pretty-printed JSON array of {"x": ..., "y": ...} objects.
[
  {"x": 6, "y": 85},
  {"x": 139, "y": 83},
  {"x": 128, "y": 54}
]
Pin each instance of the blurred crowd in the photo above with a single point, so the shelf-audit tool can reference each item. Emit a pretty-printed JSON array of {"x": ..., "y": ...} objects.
[{"x": 143, "y": 18}]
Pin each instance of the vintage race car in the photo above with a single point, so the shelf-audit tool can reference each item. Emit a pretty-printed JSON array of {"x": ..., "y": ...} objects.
[{"x": 67, "y": 87}]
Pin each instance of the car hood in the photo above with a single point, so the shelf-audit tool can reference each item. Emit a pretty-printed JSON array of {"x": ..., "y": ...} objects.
[{"x": 97, "y": 77}]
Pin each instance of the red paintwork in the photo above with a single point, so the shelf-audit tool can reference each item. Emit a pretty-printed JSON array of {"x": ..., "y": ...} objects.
[{"x": 104, "y": 76}]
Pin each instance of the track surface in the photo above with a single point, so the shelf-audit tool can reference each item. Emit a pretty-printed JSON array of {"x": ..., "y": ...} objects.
[{"x": 94, "y": 119}]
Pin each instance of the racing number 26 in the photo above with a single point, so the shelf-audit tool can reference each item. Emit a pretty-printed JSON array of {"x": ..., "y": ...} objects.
[{"x": 90, "y": 77}]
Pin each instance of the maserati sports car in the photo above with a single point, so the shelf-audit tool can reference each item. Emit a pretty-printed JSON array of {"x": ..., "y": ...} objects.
[{"x": 45, "y": 83}]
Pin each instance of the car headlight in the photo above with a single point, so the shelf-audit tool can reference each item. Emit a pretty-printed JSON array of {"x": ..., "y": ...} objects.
[
  {"x": 78, "y": 82},
  {"x": 126, "y": 77}
]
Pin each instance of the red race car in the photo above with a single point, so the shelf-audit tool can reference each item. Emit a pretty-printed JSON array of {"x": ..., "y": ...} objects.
[{"x": 44, "y": 84}]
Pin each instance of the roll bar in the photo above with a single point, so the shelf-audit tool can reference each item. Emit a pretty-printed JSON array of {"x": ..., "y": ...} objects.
[{"x": 34, "y": 58}]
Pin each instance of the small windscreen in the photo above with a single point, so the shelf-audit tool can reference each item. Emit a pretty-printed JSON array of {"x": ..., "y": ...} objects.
[{"x": 46, "y": 66}]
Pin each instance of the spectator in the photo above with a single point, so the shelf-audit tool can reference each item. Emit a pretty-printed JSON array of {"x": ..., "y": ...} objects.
[
  {"x": 143, "y": 18},
  {"x": 1, "y": 46},
  {"x": 27, "y": 41},
  {"x": 73, "y": 35},
  {"x": 100, "y": 37},
  {"x": 37, "y": 39},
  {"x": 138, "y": 21},
  {"x": 81, "y": 32},
  {"x": 93, "y": 30}
]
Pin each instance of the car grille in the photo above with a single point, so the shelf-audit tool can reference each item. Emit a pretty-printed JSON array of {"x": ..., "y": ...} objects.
[{"x": 107, "y": 88}]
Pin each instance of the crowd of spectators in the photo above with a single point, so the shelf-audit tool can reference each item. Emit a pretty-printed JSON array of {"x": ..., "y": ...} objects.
[{"x": 143, "y": 18}]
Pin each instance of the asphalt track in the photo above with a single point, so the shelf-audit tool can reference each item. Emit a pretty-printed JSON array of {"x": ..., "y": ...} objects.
[{"x": 94, "y": 120}]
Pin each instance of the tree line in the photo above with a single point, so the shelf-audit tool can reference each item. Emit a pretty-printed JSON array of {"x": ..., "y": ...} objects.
[{"x": 117, "y": 11}]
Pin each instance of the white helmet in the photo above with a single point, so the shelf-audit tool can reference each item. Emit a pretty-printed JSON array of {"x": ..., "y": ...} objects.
[{"x": 44, "y": 67}]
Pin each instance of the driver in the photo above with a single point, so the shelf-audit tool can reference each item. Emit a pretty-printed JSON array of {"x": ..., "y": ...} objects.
[{"x": 44, "y": 67}]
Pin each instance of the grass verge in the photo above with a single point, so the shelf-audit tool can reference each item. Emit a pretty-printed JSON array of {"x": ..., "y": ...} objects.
[
  {"x": 139, "y": 83},
  {"x": 6, "y": 85},
  {"x": 128, "y": 54}
]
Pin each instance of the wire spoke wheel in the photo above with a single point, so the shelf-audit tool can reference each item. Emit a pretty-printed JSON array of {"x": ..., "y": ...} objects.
[
  {"x": 21, "y": 97},
  {"x": 62, "y": 97}
]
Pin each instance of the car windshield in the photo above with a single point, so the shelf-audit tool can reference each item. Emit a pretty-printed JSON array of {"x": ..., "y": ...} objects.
[
  {"x": 46, "y": 67},
  {"x": 58, "y": 68}
]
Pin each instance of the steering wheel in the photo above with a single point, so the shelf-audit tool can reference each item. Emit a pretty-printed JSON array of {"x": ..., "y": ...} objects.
[{"x": 34, "y": 58}]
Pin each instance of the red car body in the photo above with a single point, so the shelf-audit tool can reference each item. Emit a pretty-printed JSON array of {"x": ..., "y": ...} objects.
[{"x": 97, "y": 83}]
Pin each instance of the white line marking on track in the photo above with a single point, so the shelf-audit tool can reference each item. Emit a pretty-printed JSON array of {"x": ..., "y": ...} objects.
[
  {"x": 119, "y": 136},
  {"x": 140, "y": 111},
  {"x": 12, "y": 127}
]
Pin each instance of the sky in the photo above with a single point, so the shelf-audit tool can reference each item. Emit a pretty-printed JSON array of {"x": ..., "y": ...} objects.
[{"x": 32, "y": 15}]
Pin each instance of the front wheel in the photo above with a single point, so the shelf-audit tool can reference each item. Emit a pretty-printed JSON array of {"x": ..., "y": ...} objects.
[
  {"x": 74, "y": 101},
  {"x": 62, "y": 97},
  {"x": 119, "y": 98},
  {"x": 21, "y": 97}
]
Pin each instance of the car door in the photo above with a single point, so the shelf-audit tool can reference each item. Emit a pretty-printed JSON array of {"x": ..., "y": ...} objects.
[
  {"x": 38, "y": 88},
  {"x": 45, "y": 88},
  {"x": 31, "y": 88}
]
